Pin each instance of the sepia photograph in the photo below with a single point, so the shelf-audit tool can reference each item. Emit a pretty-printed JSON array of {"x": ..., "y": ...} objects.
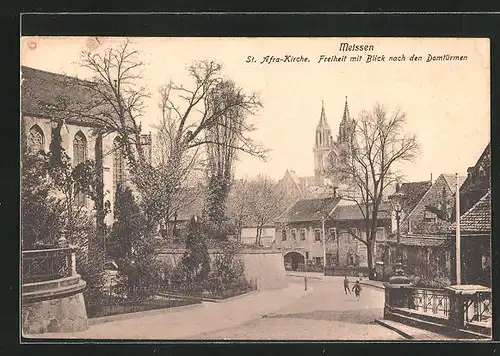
[{"x": 231, "y": 188}]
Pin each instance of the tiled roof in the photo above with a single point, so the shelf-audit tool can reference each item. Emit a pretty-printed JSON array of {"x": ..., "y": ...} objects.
[
  {"x": 451, "y": 180},
  {"x": 310, "y": 209},
  {"x": 352, "y": 212},
  {"x": 48, "y": 94},
  {"x": 477, "y": 218},
  {"x": 294, "y": 178},
  {"x": 413, "y": 191},
  {"x": 424, "y": 241}
]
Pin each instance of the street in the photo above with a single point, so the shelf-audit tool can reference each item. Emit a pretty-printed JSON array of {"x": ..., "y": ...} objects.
[{"x": 324, "y": 314}]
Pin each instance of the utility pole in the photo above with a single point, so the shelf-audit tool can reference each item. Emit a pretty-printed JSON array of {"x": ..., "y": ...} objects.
[
  {"x": 457, "y": 231},
  {"x": 324, "y": 242}
]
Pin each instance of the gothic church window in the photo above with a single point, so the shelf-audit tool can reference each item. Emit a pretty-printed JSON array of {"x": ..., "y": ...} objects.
[
  {"x": 79, "y": 156},
  {"x": 36, "y": 140}
]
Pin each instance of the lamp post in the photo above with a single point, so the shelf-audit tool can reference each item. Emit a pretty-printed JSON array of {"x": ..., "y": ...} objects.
[{"x": 397, "y": 203}]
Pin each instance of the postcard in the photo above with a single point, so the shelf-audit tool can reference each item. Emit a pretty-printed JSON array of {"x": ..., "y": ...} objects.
[{"x": 255, "y": 188}]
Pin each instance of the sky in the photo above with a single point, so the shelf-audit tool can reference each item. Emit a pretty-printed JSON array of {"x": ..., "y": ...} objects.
[{"x": 447, "y": 103}]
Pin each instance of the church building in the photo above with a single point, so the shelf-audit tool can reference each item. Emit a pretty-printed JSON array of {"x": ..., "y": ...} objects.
[
  {"x": 41, "y": 91},
  {"x": 327, "y": 152}
]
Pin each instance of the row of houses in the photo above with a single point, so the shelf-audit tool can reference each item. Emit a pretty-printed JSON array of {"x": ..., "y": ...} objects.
[{"x": 427, "y": 242}]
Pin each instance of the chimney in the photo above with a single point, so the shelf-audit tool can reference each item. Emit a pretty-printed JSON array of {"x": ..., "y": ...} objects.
[{"x": 431, "y": 178}]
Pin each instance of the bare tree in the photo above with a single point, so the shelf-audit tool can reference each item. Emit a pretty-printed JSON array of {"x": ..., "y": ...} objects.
[
  {"x": 367, "y": 166},
  {"x": 237, "y": 205},
  {"x": 265, "y": 203},
  {"x": 213, "y": 114}
]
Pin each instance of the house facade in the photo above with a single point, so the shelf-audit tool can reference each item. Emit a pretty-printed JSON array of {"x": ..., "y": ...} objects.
[
  {"x": 432, "y": 214},
  {"x": 475, "y": 242},
  {"x": 300, "y": 235}
]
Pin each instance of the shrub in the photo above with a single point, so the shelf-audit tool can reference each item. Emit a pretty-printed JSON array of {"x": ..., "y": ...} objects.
[
  {"x": 192, "y": 272},
  {"x": 227, "y": 271},
  {"x": 438, "y": 282}
]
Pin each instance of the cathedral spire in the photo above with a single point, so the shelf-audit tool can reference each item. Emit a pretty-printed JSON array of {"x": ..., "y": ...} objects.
[
  {"x": 322, "y": 119},
  {"x": 346, "y": 116}
]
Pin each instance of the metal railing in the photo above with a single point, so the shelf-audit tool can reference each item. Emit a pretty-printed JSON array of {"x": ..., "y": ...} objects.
[
  {"x": 478, "y": 308},
  {"x": 47, "y": 264},
  {"x": 432, "y": 301}
]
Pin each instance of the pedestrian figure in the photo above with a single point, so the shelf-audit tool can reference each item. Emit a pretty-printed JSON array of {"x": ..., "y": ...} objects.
[
  {"x": 357, "y": 289},
  {"x": 346, "y": 285}
]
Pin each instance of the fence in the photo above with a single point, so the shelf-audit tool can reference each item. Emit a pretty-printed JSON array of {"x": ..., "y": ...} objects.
[
  {"x": 48, "y": 264},
  {"x": 435, "y": 302},
  {"x": 459, "y": 307},
  {"x": 121, "y": 300},
  {"x": 478, "y": 308}
]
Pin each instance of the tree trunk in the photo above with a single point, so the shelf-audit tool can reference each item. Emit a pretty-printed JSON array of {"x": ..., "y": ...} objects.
[
  {"x": 98, "y": 242},
  {"x": 369, "y": 253}
]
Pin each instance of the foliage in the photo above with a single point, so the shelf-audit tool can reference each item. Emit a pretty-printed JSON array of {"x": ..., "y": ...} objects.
[
  {"x": 49, "y": 187},
  {"x": 41, "y": 213},
  {"x": 128, "y": 226},
  {"x": 133, "y": 248},
  {"x": 438, "y": 282},
  {"x": 194, "y": 268},
  {"x": 227, "y": 271}
]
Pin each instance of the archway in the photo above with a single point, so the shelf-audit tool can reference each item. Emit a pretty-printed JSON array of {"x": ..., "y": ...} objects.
[{"x": 293, "y": 260}]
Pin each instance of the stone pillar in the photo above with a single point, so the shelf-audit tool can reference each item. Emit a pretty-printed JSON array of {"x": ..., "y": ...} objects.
[
  {"x": 456, "y": 317},
  {"x": 73, "y": 263}
]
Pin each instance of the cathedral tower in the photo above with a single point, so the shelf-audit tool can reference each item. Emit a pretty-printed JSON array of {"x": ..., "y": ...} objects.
[
  {"x": 347, "y": 126},
  {"x": 322, "y": 147}
]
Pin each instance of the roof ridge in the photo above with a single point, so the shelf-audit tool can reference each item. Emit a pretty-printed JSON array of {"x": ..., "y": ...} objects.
[{"x": 55, "y": 74}]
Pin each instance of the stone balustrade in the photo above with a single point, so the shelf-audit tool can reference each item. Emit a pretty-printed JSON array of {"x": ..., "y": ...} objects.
[
  {"x": 52, "y": 292},
  {"x": 461, "y": 308}
]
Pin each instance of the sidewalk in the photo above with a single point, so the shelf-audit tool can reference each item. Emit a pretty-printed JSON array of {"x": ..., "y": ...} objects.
[
  {"x": 410, "y": 332},
  {"x": 188, "y": 323},
  {"x": 320, "y": 276}
]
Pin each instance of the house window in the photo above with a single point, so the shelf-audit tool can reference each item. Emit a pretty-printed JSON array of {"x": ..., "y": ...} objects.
[
  {"x": 429, "y": 216},
  {"x": 485, "y": 261},
  {"x": 36, "y": 140},
  {"x": 307, "y": 255},
  {"x": 118, "y": 165},
  {"x": 283, "y": 235},
  {"x": 333, "y": 234},
  {"x": 293, "y": 232},
  {"x": 79, "y": 156},
  {"x": 318, "y": 261},
  {"x": 317, "y": 235},
  {"x": 302, "y": 234},
  {"x": 380, "y": 234}
]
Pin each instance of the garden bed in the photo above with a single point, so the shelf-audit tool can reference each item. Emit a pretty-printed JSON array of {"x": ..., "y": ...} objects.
[
  {"x": 117, "y": 306},
  {"x": 225, "y": 294}
]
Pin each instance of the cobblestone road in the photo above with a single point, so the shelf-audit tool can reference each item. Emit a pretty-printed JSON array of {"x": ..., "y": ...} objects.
[{"x": 324, "y": 314}]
